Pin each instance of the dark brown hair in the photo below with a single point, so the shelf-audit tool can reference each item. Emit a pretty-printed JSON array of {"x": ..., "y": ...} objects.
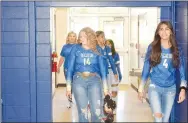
[
  {"x": 155, "y": 57},
  {"x": 112, "y": 46}
]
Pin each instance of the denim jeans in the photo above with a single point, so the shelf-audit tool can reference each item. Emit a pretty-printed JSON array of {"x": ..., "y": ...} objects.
[
  {"x": 112, "y": 81},
  {"x": 88, "y": 89},
  {"x": 161, "y": 101},
  {"x": 65, "y": 74}
]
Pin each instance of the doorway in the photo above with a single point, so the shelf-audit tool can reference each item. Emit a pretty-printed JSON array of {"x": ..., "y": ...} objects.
[{"x": 131, "y": 29}]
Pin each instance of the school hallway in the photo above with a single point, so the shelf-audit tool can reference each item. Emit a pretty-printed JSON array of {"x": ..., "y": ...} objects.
[{"x": 129, "y": 108}]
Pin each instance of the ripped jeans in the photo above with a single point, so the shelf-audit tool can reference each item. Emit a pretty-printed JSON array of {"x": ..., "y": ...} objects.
[
  {"x": 161, "y": 101},
  {"x": 87, "y": 89}
]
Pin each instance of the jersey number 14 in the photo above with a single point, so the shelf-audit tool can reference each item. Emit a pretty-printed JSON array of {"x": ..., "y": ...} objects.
[{"x": 87, "y": 61}]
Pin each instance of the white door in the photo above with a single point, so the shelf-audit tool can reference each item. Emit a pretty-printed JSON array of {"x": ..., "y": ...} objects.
[{"x": 116, "y": 28}]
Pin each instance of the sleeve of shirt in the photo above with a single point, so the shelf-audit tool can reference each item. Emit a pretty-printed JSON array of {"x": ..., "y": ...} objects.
[
  {"x": 63, "y": 51},
  {"x": 146, "y": 69},
  {"x": 182, "y": 69},
  {"x": 101, "y": 53},
  {"x": 103, "y": 72},
  {"x": 70, "y": 67},
  {"x": 117, "y": 63},
  {"x": 109, "y": 55}
]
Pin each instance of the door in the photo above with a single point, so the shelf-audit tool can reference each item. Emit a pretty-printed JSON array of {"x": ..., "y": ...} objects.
[
  {"x": 137, "y": 41},
  {"x": 116, "y": 28}
]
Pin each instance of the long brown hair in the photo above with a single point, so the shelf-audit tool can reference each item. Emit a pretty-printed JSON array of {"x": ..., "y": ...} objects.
[
  {"x": 155, "y": 57},
  {"x": 112, "y": 46},
  {"x": 91, "y": 38}
]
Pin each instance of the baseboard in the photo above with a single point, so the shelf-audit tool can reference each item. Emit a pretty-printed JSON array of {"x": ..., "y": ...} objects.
[{"x": 61, "y": 85}]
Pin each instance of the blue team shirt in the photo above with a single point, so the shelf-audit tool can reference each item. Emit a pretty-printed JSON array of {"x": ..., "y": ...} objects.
[
  {"x": 82, "y": 60},
  {"x": 117, "y": 63},
  {"x": 106, "y": 52},
  {"x": 65, "y": 52},
  {"x": 163, "y": 74}
]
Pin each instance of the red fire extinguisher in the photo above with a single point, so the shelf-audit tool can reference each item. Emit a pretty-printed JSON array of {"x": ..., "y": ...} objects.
[{"x": 54, "y": 61}]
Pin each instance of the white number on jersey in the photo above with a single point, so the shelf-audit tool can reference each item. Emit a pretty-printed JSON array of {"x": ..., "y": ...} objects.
[
  {"x": 87, "y": 61},
  {"x": 165, "y": 64}
]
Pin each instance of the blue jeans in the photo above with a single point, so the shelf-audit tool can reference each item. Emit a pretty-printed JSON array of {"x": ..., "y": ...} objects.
[
  {"x": 161, "y": 101},
  {"x": 88, "y": 89},
  {"x": 65, "y": 73}
]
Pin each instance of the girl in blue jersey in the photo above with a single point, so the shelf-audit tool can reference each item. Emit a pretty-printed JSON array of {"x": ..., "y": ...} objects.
[
  {"x": 106, "y": 51},
  {"x": 71, "y": 40},
  {"x": 162, "y": 59},
  {"x": 85, "y": 74},
  {"x": 112, "y": 82}
]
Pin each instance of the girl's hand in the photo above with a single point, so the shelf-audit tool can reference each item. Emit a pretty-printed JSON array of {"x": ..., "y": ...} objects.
[{"x": 181, "y": 96}]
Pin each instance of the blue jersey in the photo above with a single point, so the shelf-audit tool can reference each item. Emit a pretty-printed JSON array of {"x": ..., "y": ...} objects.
[
  {"x": 117, "y": 63},
  {"x": 163, "y": 74},
  {"x": 82, "y": 60},
  {"x": 65, "y": 52},
  {"x": 106, "y": 52}
]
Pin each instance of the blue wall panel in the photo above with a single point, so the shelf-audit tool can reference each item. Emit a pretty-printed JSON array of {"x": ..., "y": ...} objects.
[
  {"x": 17, "y": 111},
  {"x": 15, "y": 75},
  {"x": 43, "y": 37},
  {"x": 182, "y": 38},
  {"x": 44, "y": 86},
  {"x": 17, "y": 87},
  {"x": 19, "y": 62},
  {"x": 14, "y": 24},
  {"x": 32, "y": 56},
  {"x": 16, "y": 37},
  {"x": 15, "y": 4},
  {"x": 43, "y": 12},
  {"x": 15, "y": 12},
  {"x": 43, "y": 49},
  {"x": 15, "y": 50},
  {"x": 17, "y": 99},
  {"x": 15, "y": 66},
  {"x": 43, "y": 25},
  {"x": 43, "y": 62},
  {"x": 165, "y": 12},
  {"x": 43, "y": 74}
]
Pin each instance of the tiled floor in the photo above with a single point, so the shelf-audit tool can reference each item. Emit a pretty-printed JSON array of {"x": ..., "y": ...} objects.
[{"x": 129, "y": 108}]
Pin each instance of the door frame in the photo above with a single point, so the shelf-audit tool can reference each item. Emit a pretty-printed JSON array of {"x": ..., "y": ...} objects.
[{"x": 35, "y": 116}]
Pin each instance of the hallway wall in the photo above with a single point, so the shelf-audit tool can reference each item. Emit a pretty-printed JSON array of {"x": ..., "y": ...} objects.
[{"x": 182, "y": 38}]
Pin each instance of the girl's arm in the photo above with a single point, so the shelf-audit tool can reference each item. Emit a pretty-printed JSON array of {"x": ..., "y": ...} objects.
[
  {"x": 70, "y": 68},
  {"x": 102, "y": 67},
  {"x": 146, "y": 70}
]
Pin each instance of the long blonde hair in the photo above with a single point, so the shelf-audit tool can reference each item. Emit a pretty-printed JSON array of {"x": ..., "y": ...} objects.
[
  {"x": 67, "y": 39},
  {"x": 91, "y": 38}
]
